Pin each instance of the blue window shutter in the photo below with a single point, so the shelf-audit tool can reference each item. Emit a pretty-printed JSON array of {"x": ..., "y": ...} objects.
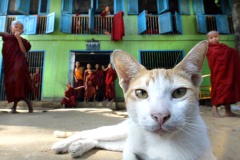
[
  {"x": 178, "y": 22},
  {"x": 66, "y": 23},
  {"x": 23, "y": 20},
  {"x": 165, "y": 23},
  {"x": 40, "y": 6},
  {"x": 118, "y": 6},
  {"x": 162, "y": 5},
  {"x": 142, "y": 22},
  {"x": 222, "y": 24},
  {"x": 198, "y": 7},
  {"x": 31, "y": 25},
  {"x": 226, "y": 6},
  {"x": 91, "y": 19},
  {"x": 201, "y": 23},
  {"x": 3, "y": 23},
  {"x": 3, "y": 7},
  {"x": 22, "y": 6},
  {"x": 132, "y": 6},
  {"x": 67, "y": 6},
  {"x": 94, "y": 4},
  {"x": 50, "y": 22},
  {"x": 184, "y": 7}
]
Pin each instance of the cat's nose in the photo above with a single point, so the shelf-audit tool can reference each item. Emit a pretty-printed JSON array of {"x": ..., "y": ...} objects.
[{"x": 161, "y": 118}]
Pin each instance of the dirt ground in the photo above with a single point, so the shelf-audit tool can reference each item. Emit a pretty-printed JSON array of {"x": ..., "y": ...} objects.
[{"x": 27, "y": 136}]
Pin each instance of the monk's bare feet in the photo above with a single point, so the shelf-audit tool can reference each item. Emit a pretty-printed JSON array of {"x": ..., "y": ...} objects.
[
  {"x": 30, "y": 108},
  {"x": 215, "y": 112},
  {"x": 13, "y": 111},
  {"x": 216, "y": 115},
  {"x": 231, "y": 114}
]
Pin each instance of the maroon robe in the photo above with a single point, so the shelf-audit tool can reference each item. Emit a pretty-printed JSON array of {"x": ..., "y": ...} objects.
[
  {"x": 118, "y": 30},
  {"x": 90, "y": 91},
  {"x": 69, "y": 98},
  {"x": 109, "y": 82},
  {"x": 16, "y": 73},
  {"x": 36, "y": 82},
  {"x": 224, "y": 63},
  {"x": 100, "y": 84}
]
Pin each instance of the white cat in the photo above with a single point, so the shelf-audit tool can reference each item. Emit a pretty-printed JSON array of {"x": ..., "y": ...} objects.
[{"x": 164, "y": 121}]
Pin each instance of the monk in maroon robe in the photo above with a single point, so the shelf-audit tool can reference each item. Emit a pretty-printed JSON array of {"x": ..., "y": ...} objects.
[
  {"x": 16, "y": 73},
  {"x": 100, "y": 80},
  {"x": 36, "y": 82},
  {"x": 109, "y": 82},
  {"x": 69, "y": 99},
  {"x": 225, "y": 74},
  {"x": 90, "y": 86}
]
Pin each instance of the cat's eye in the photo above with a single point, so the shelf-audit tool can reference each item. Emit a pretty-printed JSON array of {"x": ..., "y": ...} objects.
[
  {"x": 140, "y": 93},
  {"x": 180, "y": 92}
]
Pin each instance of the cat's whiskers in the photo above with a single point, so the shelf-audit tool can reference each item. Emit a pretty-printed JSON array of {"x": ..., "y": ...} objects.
[{"x": 192, "y": 122}]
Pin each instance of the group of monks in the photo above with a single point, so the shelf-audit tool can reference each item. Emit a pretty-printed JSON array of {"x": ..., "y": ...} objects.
[{"x": 90, "y": 85}]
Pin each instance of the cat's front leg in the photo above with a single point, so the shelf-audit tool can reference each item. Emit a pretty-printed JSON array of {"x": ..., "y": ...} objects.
[
  {"x": 63, "y": 145},
  {"x": 79, "y": 147},
  {"x": 128, "y": 154}
]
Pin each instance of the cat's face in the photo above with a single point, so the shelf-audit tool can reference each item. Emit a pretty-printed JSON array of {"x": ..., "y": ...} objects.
[{"x": 161, "y": 101}]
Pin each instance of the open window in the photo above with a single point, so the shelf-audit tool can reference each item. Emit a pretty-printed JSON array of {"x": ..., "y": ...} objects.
[
  {"x": 161, "y": 17},
  {"x": 158, "y": 6},
  {"x": 214, "y": 15},
  {"x": 87, "y": 19},
  {"x": 34, "y": 14},
  {"x": 165, "y": 22}
]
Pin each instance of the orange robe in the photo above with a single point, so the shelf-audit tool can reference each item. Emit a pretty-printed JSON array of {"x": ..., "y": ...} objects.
[
  {"x": 79, "y": 93},
  {"x": 17, "y": 79}
]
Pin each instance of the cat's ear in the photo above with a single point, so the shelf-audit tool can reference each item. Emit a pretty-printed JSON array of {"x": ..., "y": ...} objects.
[
  {"x": 193, "y": 61},
  {"x": 126, "y": 66}
]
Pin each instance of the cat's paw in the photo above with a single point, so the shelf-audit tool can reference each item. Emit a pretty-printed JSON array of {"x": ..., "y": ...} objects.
[
  {"x": 78, "y": 148},
  {"x": 60, "y": 147}
]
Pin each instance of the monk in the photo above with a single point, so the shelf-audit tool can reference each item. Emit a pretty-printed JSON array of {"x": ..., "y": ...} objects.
[
  {"x": 109, "y": 82},
  {"x": 36, "y": 82},
  {"x": 225, "y": 74},
  {"x": 89, "y": 67},
  {"x": 69, "y": 100},
  {"x": 78, "y": 76},
  {"x": 90, "y": 86},
  {"x": 100, "y": 80},
  {"x": 17, "y": 79}
]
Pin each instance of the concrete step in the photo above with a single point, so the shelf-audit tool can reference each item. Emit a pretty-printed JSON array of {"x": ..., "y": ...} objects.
[{"x": 56, "y": 105}]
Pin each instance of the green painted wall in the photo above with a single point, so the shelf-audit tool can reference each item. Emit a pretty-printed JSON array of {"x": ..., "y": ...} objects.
[{"x": 58, "y": 45}]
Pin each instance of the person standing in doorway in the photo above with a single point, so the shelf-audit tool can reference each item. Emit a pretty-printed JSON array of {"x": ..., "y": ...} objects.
[
  {"x": 36, "y": 82},
  {"x": 109, "y": 82},
  {"x": 78, "y": 77}
]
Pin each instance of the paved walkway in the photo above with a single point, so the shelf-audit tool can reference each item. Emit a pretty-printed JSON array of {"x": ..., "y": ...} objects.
[{"x": 27, "y": 136}]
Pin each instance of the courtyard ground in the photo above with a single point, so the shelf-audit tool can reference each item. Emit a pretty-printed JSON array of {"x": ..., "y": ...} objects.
[{"x": 27, "y": 136}]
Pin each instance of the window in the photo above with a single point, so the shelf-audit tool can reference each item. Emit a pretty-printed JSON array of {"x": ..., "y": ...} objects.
[
  {"x": 160, "y": 59},
  {"x": 214, "y": 15},
  {"x": 159, "y": 16},
  {"x": 83, "y": 17},
  {"x": 165, "y": 23},
  {"x": 35, "y": 60},
  {"x": 158, "y": 6},
  {"x": 33, "y": 14}
]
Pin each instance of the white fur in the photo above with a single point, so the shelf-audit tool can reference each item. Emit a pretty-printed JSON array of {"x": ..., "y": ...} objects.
[{"x": 179, "y": 133}]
